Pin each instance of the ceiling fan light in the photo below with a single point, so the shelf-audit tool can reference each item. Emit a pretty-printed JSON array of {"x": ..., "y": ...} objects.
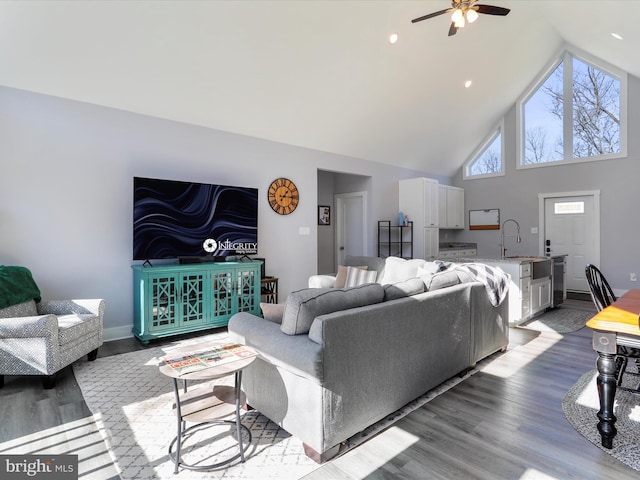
[
  {"x": 459, "y": 23},
  {"x": 472, "y": 16},
  {"x": 457, "y": 16}
]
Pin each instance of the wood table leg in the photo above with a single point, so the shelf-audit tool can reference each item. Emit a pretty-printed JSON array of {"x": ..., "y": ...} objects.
[{"x": 607, "y": 383}]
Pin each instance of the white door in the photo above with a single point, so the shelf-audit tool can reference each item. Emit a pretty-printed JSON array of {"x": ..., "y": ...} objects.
[
  {"x": 351, "y": 225},
  {"x": 572, "y": 227}
]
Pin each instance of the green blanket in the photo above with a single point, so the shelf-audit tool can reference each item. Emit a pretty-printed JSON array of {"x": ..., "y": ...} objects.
[{"x": 17, "y": 286}]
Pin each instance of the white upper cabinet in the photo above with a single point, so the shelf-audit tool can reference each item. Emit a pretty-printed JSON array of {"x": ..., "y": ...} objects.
[
  {"x": 450, "y": 207},
  {"x": 419, "y": 200}
]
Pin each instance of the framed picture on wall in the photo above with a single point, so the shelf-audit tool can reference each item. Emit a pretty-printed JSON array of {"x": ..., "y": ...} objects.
[{"x": 324, "y": 215}]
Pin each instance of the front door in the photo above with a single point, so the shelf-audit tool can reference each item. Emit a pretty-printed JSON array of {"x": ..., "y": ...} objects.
[{"x": 571, "y": 227}]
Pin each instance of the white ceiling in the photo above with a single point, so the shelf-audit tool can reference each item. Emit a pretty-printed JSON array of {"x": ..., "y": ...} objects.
[{"x": 319, "y": 74}]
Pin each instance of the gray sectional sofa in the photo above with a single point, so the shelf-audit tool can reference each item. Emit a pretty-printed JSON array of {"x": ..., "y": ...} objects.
[{"x": 340, "y": 359}]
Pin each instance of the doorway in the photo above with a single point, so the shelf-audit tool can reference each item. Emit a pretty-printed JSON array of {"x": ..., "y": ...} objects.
[
  {"x": 351, "y": 225},
  {"x": 571, "y": 225}
]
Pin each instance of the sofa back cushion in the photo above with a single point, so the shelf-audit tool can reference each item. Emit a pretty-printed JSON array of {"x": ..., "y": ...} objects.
[
  {"x": 407, "y": 288},
  {"x": 25, "y": 309},
  {"x": 440, "y": 280},
  {"x": 304, "y": 306}
]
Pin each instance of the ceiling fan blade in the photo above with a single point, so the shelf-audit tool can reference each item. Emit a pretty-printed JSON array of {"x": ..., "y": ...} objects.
[
  {"x": 453, "y": 29},
  {"x": 491, "y": 10},
  {"x": 431, "y": 15}
]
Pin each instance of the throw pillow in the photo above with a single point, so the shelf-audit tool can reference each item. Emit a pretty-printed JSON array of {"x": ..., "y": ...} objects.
[
  {"x": 304, "y": 306},
  {"x": 398, "y": 269},
  {"x": 272, "y": 311},
  {"x": 341, "y": 276},
  {"x": 357, "y": 276},
  {"x": 427, "y": 268},
  {"x": 407, "y": 288}
]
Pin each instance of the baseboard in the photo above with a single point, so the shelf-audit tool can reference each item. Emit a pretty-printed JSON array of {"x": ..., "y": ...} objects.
[{"x": 117, "y": 333}]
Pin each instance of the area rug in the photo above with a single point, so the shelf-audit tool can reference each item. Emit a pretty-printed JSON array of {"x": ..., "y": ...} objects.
[
  {"x": 131, "y": 402},
  {"x": 580, "y": 406},
  {"x": 563, "y": 319}
]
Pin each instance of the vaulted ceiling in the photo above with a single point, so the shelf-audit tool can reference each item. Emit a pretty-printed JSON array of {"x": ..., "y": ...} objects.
[{"x": 315, "y": 73}]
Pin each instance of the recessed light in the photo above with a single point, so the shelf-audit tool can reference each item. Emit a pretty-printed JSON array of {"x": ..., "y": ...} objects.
[
  {"x": 393, "y": 38},
  {"x": 615, "y": 35},
  {"x": 467, "y": 84}
]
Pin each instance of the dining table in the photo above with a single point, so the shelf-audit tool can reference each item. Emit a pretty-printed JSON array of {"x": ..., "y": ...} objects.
[{"x": 614, "y": 326}]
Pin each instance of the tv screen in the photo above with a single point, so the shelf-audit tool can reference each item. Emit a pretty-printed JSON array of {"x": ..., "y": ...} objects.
[{"x": 173, "y": 219}]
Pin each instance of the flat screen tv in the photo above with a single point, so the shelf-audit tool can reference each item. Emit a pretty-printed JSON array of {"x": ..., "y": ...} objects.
[{"x": 174, "y": 219}]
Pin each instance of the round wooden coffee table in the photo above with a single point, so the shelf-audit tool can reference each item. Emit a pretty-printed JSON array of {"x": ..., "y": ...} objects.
[{"x": 206, "y": 404}]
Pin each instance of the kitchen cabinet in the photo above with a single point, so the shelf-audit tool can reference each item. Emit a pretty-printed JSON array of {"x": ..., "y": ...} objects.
[
  {"x": 450, "y": 207},
  {"x": 430, "y": 243},
  {"x": 540, "y": 295},
  {"x": 454, "y": 255},
  {"x": 418, "y": 199}
]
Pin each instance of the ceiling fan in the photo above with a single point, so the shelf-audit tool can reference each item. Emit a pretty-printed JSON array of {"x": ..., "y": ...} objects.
[{"x": 462, "y": 9}]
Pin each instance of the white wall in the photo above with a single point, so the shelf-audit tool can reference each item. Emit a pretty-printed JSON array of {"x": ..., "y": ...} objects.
[{"x": 66, "y": 193}]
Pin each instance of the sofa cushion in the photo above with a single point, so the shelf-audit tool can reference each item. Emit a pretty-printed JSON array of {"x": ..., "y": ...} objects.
[
  {"x": 407, "y": 288},
  {"x": 357, "y": 276},
  {"x": 25, "y": 309},
  {"x": 304, "y": 306},
  {"x": 75, "y": 326},
  {"x": 440, "y": 280},
  {"x": 341, "y": 276}
]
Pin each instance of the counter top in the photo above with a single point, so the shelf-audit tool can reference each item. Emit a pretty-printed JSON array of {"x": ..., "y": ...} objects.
[{"x": 515, "y": 261}]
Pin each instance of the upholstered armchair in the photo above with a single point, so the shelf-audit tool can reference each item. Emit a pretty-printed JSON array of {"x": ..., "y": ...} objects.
[{"x": 41, "y": 338}]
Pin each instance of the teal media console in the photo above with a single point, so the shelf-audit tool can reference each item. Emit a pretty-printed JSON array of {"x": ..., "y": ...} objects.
[{"x": 180, "y": 298}]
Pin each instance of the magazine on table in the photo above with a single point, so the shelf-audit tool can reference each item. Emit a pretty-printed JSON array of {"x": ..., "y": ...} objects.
[{"x": 208, "y": 357}]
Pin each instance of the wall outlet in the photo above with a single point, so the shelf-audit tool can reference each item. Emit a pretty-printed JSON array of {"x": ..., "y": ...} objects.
[{"x": 633, "y": 277}]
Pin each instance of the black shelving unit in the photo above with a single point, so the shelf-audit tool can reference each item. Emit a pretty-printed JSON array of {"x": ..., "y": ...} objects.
[{"x": 395, "y": 240}]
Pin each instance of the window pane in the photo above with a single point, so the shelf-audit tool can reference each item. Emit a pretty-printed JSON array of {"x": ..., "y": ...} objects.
[
  {"x": 565, "y": 208},
  {"x": 542, "y": 126},
  {"x": 490, "y": 160},
  {"x": 596, "y": 111}
]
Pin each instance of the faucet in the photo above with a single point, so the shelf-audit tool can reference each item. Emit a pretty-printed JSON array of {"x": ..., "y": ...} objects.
[{"x": 517, "y": 235}]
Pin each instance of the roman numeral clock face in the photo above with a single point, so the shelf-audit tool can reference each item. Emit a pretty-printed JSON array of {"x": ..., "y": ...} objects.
[{"x": 283, "y": 196}]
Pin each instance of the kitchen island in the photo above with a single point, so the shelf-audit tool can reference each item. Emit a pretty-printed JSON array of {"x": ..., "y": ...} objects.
[{"x": 531, "y": 285}]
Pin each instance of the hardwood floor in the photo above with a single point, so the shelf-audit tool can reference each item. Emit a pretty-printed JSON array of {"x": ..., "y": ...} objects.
[{"x": 505, "y": 422}]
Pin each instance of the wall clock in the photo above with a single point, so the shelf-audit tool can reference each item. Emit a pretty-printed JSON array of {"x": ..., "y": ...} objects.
[{"x": 283, "y": 196}]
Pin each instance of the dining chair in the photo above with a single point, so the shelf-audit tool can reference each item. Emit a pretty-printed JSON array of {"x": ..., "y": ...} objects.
[{"x": 603, "y": 296}]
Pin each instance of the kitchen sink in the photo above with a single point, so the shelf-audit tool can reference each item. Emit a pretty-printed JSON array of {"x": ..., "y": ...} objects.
[{"x": 541, "y": 267}]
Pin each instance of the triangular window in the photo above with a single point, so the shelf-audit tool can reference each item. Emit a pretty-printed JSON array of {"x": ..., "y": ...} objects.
[{"x": 488, "y": 160}]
